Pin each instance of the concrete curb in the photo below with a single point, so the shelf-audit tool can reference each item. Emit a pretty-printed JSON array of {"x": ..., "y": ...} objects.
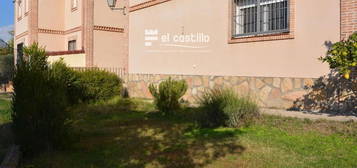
[{"x": 307, "y": 115}]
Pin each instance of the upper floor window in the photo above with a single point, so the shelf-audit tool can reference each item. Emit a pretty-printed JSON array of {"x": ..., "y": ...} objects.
[
  {"x": 19, "y": 9},
  {"x": 74, "y": 4},
  {"x": 20, "y": 52},
  {"x": 72, "y": 45},
  {"x": 26, "y": 6},
  {"x": 255, "y": 17}
]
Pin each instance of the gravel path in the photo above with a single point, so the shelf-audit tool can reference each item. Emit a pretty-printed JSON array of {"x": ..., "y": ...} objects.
[{"x": 305, "y": 115}]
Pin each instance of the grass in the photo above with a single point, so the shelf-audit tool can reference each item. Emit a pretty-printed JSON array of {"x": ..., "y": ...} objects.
[
  {"x": 4, "y": 108},
  {"x": 4, "y": 118},
  {"x": 125, "y": 133}
]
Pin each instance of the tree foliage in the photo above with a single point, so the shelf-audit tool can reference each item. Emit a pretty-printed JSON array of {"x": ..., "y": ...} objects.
[
  {"x": 40, "y": 118},
  {"x": 7, "y": 61},
  {"x": 342, "y": 56},
  {"x": 6, "y": 68},
  {"x": 9, "y": 48}
]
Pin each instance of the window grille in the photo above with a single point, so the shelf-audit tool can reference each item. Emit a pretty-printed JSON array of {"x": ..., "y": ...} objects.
[{"x": 255, "y": 17}]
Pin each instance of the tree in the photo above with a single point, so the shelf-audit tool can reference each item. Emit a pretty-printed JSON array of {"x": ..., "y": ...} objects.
[
  {"x": 9, "y": 48},
  {"x": 6, "y": 68},
  {"x": 342, "y": 56},
  {"x": 39, "y": 103},
  {"x": 7, "y": 61}
]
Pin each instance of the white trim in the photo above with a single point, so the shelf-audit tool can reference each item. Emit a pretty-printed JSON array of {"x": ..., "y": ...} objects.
[{"x": 262, "y": 3}]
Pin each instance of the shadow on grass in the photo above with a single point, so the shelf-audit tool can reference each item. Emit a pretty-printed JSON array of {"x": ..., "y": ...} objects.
[
  {"x": 134, "y": 139},
  {"x": 165, "y": 145},
  {"x": 6, "y": 139}
]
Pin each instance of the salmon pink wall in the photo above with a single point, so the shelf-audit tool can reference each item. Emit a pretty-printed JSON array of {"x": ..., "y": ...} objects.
[
  {"x": 59, "y": 23},
  {"x": 21, "y": 20},
  {"x": 51, "y": 14},
  {"x": 52, "y": 42},
  {"x": 136, "y": 2},
  {"x": 21, "y": 24},
  {"x": 110, "y": 49},
  {"x": 72, "y": 17},
  {"x": 110, "y": 35},
  {"x": 316, "y": 22}
]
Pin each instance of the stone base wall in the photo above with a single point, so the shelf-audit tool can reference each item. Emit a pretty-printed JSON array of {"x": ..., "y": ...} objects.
[{"x": 270, "y": 92}]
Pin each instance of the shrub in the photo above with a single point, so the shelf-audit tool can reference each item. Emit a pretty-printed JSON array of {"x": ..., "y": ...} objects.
[
  {"x": 168, "y": 94},
  {"x": 70, "y": 78},
  {"x": 222, "y": 107},
  {"x": 99, "y": 85},
  {"x": 86, "y": 86},
  {"x": 39, "y": 104}
]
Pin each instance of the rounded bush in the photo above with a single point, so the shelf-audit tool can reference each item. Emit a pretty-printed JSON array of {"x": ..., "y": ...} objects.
[
  {"x": 70, "y": 78},
  {"x": 168, "y": 94},
  {"x": 99, "y": 85}
]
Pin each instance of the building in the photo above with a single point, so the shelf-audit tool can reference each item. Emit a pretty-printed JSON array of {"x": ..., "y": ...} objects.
[
  {"x": 269, "y": 48},
  {"x": 83, "y": 32}
]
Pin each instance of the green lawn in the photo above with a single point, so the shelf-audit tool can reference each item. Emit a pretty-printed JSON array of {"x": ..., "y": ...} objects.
[
  {"x": 4, "y": 118},
  {"x": 123, "y": 134},
  {"x": 4, "y": 108}
]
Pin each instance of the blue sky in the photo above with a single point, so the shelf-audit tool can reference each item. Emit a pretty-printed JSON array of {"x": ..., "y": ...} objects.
[{"x": 6, "y": 18}]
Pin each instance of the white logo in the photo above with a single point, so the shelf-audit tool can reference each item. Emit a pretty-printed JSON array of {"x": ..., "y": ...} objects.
[
  {"x": 188, "y": 41},
  {"x": 150, "y": 36}
]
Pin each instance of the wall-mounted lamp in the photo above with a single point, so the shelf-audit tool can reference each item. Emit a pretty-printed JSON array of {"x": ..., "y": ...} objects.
[
  {"x": 112, "y": 4},
  {"x": 18, "y": 1}
]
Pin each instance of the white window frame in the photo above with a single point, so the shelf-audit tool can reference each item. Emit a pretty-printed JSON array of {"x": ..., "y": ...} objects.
[
  {"x": 19, "y": 9},
  {"x": 27, "y": 6},
  {"x": 74, "y": 4},
  {"x": 238, "y": 19}
]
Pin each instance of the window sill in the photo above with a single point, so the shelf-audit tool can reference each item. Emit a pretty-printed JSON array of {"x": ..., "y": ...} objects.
[{"x": 262, "y": 37}]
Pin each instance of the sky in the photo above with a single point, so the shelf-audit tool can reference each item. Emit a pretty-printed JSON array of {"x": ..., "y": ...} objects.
[{"x": 6, "y": 18}]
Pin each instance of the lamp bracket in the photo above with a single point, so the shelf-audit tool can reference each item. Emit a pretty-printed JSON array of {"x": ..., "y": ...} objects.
[{"x": 122, "y": 9}]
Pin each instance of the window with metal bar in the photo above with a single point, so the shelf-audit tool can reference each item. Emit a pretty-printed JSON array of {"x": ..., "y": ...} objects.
[
  {"x": 72, "y": 45},
  {"x": 255, "y": 17}
]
